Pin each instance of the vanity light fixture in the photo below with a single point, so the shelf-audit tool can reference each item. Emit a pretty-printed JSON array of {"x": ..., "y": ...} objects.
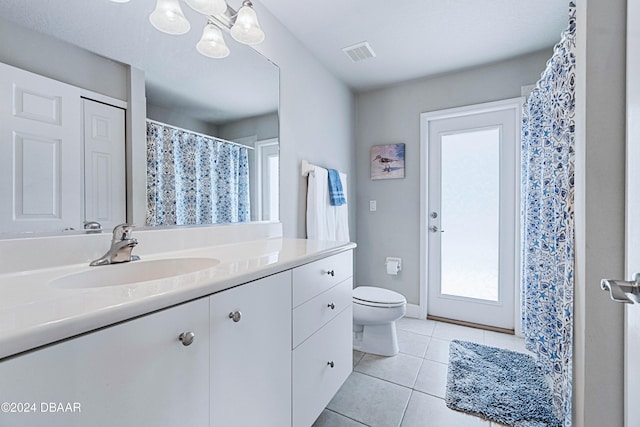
[
  {"x": 246, "y": 29},
  {"x": 243, "y": 25},
  {"x": 212, "y": 43},
  {"x": 168, "y": 18}
]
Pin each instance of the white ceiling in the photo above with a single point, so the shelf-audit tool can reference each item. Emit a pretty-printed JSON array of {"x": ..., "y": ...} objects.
[{"x": 417, "y": 38}]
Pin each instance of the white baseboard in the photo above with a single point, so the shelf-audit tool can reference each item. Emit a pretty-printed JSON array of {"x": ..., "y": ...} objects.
[{"x": 413, "y": 310}]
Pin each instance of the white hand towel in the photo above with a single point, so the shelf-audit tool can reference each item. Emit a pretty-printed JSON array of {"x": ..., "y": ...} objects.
[{"x": 325, "y": 222}]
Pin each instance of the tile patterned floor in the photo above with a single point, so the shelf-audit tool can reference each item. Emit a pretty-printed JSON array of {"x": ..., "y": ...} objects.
[{"x": 408, "y": 390}]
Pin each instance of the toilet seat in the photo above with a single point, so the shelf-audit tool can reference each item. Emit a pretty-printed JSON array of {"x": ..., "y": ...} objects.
[{"x": 377, "y": 297}]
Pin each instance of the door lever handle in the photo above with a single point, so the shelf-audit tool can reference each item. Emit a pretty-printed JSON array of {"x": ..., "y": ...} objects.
[
  {"x": 434, "y": 229},
  {"x": 623, "y": 291}
]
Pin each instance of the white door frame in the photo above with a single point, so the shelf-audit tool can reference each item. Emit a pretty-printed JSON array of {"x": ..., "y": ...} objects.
[
  {"x": 425, "y": 119},
  {"x": 632, "y": 229},
  {"x": 261, "y": 145}
]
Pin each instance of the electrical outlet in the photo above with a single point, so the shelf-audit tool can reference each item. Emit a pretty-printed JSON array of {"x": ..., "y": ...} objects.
[{"x": 372, "y": 205}]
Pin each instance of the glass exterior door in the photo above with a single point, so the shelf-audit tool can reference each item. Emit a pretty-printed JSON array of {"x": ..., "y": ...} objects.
[{"x": 472, "y": 218}]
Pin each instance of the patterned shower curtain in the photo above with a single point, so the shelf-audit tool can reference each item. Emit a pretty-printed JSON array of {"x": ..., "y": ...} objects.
[
  {"x": 194, "y": 179},
  {"x": 548, "y": 219}
]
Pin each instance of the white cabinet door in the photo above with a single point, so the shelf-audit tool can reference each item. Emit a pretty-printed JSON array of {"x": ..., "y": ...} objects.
[
  {"x": 137, "y": 373},
  {"x": 251, "y": 354},
  {"x": 40, "y": 153},
  {"x": 104, "y": 164},
  {"x": 320, "y": 366}
]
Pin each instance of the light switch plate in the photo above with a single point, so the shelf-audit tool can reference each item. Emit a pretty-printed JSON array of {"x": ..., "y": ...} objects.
[{"x": 372, "y": 205}]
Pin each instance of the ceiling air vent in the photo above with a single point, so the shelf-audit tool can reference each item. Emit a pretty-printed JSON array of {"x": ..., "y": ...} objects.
[{"x": 359, "y": 52}]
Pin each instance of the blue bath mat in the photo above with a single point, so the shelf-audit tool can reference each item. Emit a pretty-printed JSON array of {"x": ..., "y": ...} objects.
[{"x": 498, "y": 385}]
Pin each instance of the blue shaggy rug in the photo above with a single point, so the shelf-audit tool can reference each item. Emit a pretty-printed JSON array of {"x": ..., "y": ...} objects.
[{"x": 498, "y": 385}]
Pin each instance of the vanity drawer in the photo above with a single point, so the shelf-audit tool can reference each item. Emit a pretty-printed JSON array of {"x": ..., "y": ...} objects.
[
  {"x": 315, "y": 381},
  {"x": 314, "y": 278},
  {"x": 313, "y": 314}
]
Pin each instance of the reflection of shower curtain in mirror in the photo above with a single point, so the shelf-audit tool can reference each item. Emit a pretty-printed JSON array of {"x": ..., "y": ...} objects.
[{"x": 193, "y": 179}]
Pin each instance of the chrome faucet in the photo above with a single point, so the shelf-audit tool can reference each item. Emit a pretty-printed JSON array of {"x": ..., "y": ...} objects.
[{"x": 121, "y": 246}]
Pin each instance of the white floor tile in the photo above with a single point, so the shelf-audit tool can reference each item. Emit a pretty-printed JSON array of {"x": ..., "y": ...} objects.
[
  {"x": 412, "y": 343},
  {"x": 428, "y": 411},
  {"x": 333, "y": 419},
  {"x": 371, "y": 401},
  {"x": 432, "y": 378},
  {"x": 357, "y": 355},
  {"x": 418, "y": 326},
  {"x": 401, "y": 369},
  {"x": 449, "y": 331},
  {"x": 408, "y": 389},
  {"x": 510, "y": 342},
  {"x": 438, "y": 350}
]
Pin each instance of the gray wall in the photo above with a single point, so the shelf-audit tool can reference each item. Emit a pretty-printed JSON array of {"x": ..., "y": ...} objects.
[
  {"x": 391, "y": 115},
  {"x": 178, "y": 118},
  {"x": 600, "y": 211},
  {"x": 316, "y": 122},
  {"x": 263, "y": 127},
  {"x": 42, "y": 55}
]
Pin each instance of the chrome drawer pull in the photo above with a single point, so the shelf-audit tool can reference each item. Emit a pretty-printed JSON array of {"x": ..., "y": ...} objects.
[
  {"x": 331, "y": 364},
  {"x": 332, "y": 306},
  {"x": 236, "y": 316},
  {"x": 187, "y": 338}
]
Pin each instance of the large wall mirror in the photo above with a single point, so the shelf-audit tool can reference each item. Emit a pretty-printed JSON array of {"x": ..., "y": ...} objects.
[{"x": 95, "y": 45}]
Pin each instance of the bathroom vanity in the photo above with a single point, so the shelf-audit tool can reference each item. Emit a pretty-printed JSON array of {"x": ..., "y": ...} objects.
[{"x": 262, "y": 338}]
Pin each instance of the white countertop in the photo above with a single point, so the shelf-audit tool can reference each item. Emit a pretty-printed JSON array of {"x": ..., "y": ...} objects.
[{"x": 33, "y": 313}]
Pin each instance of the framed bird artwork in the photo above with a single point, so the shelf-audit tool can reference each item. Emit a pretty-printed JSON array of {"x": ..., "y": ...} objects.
[{"x": 387, "y": 161}]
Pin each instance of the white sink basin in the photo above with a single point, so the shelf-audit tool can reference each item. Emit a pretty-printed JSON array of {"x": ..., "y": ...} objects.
[{"x": 132, "y": 272}]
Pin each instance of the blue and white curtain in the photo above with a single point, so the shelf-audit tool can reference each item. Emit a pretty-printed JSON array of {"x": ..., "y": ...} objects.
[
  {"x": 194, "y": 179},
  {"x": 548, "y": 218}
]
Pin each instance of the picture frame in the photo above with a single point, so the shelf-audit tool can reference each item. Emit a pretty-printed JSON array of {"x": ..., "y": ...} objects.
[{"x": 387, "y": 161}]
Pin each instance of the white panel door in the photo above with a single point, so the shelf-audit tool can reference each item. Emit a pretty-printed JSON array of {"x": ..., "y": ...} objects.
[
  {"x": 471, "y": 221},
  {"x": 40, "y": 153},
  {"x": 632, "y": 311},
  {"x": 104, "y": 163}
]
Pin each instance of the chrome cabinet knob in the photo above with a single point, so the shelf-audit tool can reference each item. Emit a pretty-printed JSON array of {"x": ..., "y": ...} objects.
[
  {"x": 331, "y": 273},
  {"x": 187, "y": 338},
  {"x": 235, "y": 315},
  {"x": 331, "y": 364},
  {"x": 332, "y": 306}
]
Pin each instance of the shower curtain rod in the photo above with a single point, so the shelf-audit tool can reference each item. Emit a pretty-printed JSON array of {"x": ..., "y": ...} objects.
[{"x": 202, "y": 134}]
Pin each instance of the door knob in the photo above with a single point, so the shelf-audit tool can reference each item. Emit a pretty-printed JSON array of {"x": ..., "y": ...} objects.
[{"x": 623, "y": 291}]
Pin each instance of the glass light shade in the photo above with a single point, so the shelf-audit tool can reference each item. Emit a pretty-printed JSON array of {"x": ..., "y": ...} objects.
[
  {"x": 246, "y": 29},
  {"x": 212, "y": 43},
  {"x": 168, "y": 18},
  {"x": 208, "y": 7}
]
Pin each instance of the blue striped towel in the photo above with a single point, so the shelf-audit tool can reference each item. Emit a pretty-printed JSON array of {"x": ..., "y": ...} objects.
[{"x": 336, "y": 194}]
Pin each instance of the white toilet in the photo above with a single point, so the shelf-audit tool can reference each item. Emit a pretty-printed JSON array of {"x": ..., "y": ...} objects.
[{"x": 375, "y": 311}]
